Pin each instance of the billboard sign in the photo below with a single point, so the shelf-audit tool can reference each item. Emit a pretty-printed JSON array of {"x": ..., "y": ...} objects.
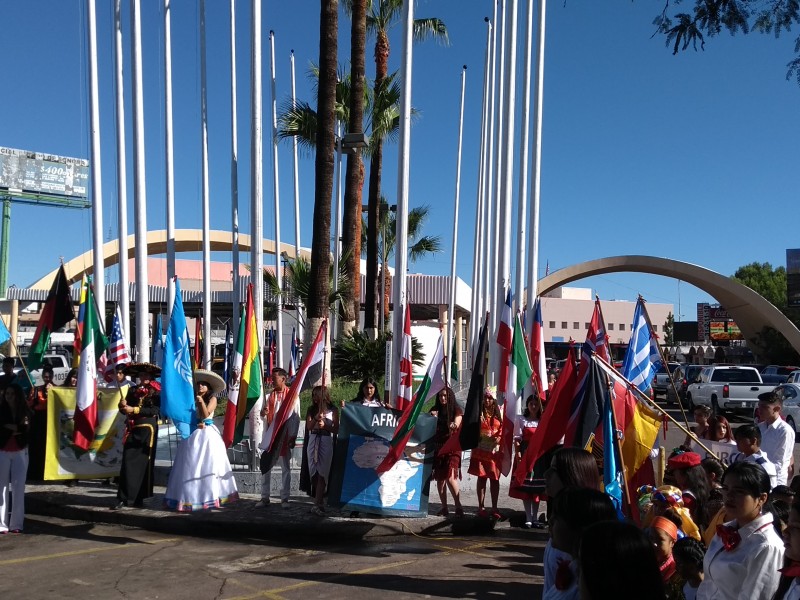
[
  {"x": 793, "y": 278},
  {"x": 27, "y": 172},
  {"x": 715, "y": 324}
]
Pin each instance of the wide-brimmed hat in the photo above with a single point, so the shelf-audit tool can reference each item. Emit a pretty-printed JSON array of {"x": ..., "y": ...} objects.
[
  {"x": 135, "y": 368},
  {"x": 214, "y": 381}
]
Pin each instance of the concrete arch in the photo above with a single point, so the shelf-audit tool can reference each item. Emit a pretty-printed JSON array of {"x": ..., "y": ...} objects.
[
  {"x": 186, "y": 240},
  {"x": 751, "y": 311}
]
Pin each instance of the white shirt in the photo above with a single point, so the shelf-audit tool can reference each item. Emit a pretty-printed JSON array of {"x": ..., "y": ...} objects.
[
  {"x": 793, "y": 593},
  {"x": 550, "y": 564},
  {"x": 759, "y": 458},
  {"x": 748, "y": 571},
  {"x": 777, "y": 442}
]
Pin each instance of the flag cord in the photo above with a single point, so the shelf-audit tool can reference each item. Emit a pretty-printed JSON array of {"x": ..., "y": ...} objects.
[
  {"x": 648, "y": 402},
  {"x": 665, "y": 362}
]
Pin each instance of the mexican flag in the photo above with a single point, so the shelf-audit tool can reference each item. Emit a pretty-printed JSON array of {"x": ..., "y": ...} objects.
[
  {"x": 248, "y": 358},
  {"x": 93, "y": 345},
  {"x": 432, "y": 384},
  {"x": 519, "y": 374}
]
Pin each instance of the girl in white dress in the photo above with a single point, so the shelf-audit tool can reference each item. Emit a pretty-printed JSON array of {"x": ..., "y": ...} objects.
[
  {"x": 744, "y": 557},
  {"x": 201, "y": 476},
  {"x": 322, "y": 425}
]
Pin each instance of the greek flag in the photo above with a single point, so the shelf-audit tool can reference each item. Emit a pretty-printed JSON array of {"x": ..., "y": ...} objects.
[
  {"x": 177, "y": 395},
  {"x": 642, "y": 359}
]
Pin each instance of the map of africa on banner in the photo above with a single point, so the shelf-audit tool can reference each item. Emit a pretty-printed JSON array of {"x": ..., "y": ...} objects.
[
  {"x": 66, "y": 461},
  {"x": 363, "y": 442}
]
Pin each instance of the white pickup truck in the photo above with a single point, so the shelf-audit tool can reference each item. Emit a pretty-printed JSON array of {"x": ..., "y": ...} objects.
[
  {"x": 727, "y": 389},
  {"x": 59, "y": 362}
]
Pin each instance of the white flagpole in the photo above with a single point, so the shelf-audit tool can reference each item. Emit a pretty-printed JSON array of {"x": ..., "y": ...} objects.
[
  {"x": 403, "y": 175},
  {"x": 122, "y": 177},
  {"x": 256, "y": 172},
  {"x": 96, "y": 170},
  {"x": 139, "y": 192},
  {"x": 524, "y": 154},
  {"x": 296, "y": 200},
  {"x": 169, "y": 170},
  {"x": 205, "y": 192},
  {"x": 277, "y": 199},
  {"x": 234, "y": 182},
  {"x": 533, "y": 241},
  {"x": 451, "y": 329},
  {"x": 480, "y": 229}
]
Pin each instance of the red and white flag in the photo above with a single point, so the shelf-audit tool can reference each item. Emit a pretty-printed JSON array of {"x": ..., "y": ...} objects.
[
  {"x": 406, "y": 380},
  {"x": 504, "y": 340},
  {"x": 538, "y": 359},
  {"x": 117, "y": 351}
]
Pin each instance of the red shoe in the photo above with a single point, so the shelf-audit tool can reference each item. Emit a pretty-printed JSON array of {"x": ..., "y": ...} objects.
[
  {"x": 496, "y": 515},
  {"x": 482, "y": 514}
]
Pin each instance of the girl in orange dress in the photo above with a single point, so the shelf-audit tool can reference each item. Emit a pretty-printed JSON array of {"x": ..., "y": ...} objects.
[{"x": 487, "y": 456}]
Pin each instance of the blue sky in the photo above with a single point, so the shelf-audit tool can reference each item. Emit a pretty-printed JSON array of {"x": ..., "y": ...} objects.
[{"x": 688, "y": 157}]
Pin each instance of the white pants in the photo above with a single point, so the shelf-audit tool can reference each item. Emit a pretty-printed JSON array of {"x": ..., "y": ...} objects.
[
  {"x": 13, "y": 471},
  {"x": 286, "y": 479}
]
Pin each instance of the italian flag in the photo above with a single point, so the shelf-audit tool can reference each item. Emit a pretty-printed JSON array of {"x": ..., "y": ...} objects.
[
  {"x": 93, "y": 345},
  {"x": 432, "y": 384},
  {"x": 519, "y": 374},
  {"x": 247, "y": 362}
]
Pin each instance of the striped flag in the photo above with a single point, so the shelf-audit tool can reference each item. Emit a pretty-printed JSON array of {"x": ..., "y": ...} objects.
[
  {"x": 432, "y": 384},
  {"x": 117, "y": 351},
  {"x": 642, "y": 359},
  {"x": 406, "y": 380},
  {"x": 538, "y": 359},
  {"x": 504, "y": 340},
  {"x": 76, "y": 344},
  {"x": 93, "y": 346},
  {"x": 250, "y": 378},
  {"x": 519, "y": 374}
]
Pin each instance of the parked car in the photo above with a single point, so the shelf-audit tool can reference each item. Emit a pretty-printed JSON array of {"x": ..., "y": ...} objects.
[
  {"x": 683, "y": 376},
  {"x": 791, "y": 403},
  {"x": 661, "y": 382},
  {"x": 59, "y": 362},
  {"x": 776, "y": 374},
  {"x": 794, "y": 377},
  {"x": 727, "y": 389}
]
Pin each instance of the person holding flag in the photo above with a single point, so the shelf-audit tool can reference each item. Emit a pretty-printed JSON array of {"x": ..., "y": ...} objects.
[
  {"x": 486, "y": 456},
  {"x": 447, "y": 464},
  {"x": 322, "y": 425},
  {"x": 272, "y": 405},
  {"x": 531, "y": 488}
]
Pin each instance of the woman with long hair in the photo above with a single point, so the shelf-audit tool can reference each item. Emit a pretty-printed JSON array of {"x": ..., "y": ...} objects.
[
  {"x": 15, "y": 422},
  {"x": 691, "y": 478},
  {"x": 744, "y": 557},
  {"x": 447, "y": 465},
  {"x": 487, "y": 456},
  {"x": 531, "y": 488},
  {"x": 368, "y": 394},
  {"x": 322, "y": 425},
  {"x": 719, "y": 430}
]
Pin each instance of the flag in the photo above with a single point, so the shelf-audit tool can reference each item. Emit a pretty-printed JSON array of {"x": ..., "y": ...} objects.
[
  {"x": 585, "y": 417},
  {"x": 93, "y": 345},
  {"x": 57, "y": 312},
  {"x": 642, "y": 359},
  {"x": 226, "y": 365},
  {"x": 292, "y": 370},
  {"x": 249, "y": 379},
  {"x": 197, "y": 355},
  {"x": 76, "y": 344},
  {"x": 310, "y": 372},
  {"x": 157, "y": 349},
  {"x": 504, "y": 340},
  {"x": 5, "y": 334},
  {"x": 519, "y": 374},
  {"x": 405, "y": 381},
  {"x": 612, "y": 465},
  {"x": 118, "y": 352},
  {"x": 177, "y": 397},
  {"x": 236, "y": 360},
  {"x": 553, "y": 422},
  {"x": 538, "y": 359},
  {"x": 454, "y": 362},
  {"x": 432, "y": 384},
  {"x": 269, "y": 363}
]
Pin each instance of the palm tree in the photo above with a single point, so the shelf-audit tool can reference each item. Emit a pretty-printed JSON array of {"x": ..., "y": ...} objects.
[
  {"x": 319, "y": 289},
  {"x": 382, "y": 15}
]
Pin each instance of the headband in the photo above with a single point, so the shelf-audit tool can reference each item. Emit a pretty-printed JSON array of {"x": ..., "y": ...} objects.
[{"x": 667, "y": 526}]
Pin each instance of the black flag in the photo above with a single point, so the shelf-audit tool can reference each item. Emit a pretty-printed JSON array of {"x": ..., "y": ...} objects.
[{"x": 471, "y": 424}]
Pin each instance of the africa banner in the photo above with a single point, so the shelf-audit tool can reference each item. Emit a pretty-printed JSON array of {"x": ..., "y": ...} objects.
[
  {"x": 64, "y": 460},
  {"x": 362, "y": 444}
]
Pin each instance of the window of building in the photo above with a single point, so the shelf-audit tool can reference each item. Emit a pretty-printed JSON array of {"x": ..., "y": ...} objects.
[
  {"x": 655, "y": 327},
  {"x": 575, "y": 325},
  {"x": 587, "y": 325},
  {"x": 611, "y": 327},
  {"x": 563, "y": 324},
  {"x": 552, "y": 324},
  {"x": 622, "y": 326}
]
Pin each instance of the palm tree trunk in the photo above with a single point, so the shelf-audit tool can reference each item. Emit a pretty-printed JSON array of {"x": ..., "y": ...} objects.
[
  {"x": 351, "y": 228},
  {"x": 324, "y": 162}
]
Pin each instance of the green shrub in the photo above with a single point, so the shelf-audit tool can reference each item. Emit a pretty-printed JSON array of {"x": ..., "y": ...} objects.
[{"x": 358, "y": 357}]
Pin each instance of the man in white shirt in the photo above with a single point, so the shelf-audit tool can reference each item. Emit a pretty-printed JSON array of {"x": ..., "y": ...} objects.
[
  {"x": 777, "y": 436},
  {"x": 748, "y": 441}
]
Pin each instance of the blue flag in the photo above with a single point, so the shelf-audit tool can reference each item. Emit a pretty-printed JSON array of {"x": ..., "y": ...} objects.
[
  {"x": 177, "y": 395},
  {"x": 157, "y": 351},
  {"x": 612, "y": 471},
  {"x": 642, "y": 359},
  {"x": 5, "y": 334}
]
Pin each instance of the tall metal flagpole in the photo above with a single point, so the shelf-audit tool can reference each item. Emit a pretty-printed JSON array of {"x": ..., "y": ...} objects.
[
  {"x": 169, "y": 167},
  {"x": 96, "y": 171},
  {"x": 277, "y": 198},
  {"x": 404, "y": 164},
  {"x": 533, "y": 242},
  {"x": 122, "y": 178},
  {"x": 204, "y": 177},
  {"x": 296, "y": 171},
  {"x": 234, "y": 182},
  {"x": 524, "y": 142},
  {"x": 139, "y": 192},
  {"x": 451, "y": 329},
  {"x": 256, "y": 172}
]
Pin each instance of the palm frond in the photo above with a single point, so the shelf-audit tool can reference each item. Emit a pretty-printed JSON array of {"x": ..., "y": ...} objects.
[
  {"x": 423, "y": 246},
  {"x": 431, "y": 28},
  {"x": 299, "y": 121}
]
